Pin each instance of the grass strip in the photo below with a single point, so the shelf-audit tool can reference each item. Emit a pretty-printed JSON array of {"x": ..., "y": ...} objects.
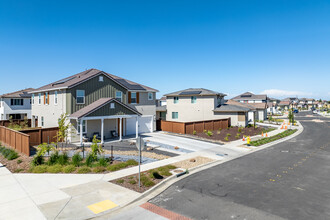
[{"x": 273, "y": 138}]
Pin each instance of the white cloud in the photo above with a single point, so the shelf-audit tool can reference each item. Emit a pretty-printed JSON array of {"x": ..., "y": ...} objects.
[{"x": 285, "y": 93}]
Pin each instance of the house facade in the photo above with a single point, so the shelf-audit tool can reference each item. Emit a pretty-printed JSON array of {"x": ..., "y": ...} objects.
[
  {"x": 16, "y": 105},
  {"x": 272, "y": 105},
  {"x": 199, "y": 104},
  {"x": 258, "y": 101},
  {"x": 97, "y": 103}
]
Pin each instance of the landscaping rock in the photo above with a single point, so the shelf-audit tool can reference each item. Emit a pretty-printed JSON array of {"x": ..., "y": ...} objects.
[
  {"x": 192, "y": 160},
  {"x": 176, "y": 148}
]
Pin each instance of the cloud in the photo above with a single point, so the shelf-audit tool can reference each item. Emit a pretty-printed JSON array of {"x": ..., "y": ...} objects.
[{"x": 285, "y": 93}]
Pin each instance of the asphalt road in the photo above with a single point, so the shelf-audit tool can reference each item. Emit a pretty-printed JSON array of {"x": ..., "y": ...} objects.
[{"x": 290, "y": 180}]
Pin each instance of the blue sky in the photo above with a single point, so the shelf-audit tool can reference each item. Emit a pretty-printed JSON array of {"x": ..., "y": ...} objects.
[{"x": 278, "y": 47}]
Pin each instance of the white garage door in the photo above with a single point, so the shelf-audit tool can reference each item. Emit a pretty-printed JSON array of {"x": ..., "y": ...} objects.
[{"x": 144, "y": 125}]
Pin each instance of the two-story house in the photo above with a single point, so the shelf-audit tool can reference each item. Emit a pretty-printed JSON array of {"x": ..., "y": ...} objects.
[
  {"x": 16, "y": 105},
  {"x": 96, "y": 102},
  {"x": 272, "y": 105},
  {"x": 258, "y": 101},
  {"x": 198, "y": 104},
  {"x": 310, "y": 103}
]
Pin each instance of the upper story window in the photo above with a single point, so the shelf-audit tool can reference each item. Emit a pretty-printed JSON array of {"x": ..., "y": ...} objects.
[
  {"x": 100, "y": 78},
  {"x": 175, "y": 115},
  {"x": 80, "y": 96},
  {"x": 119, "y": 96},
  {"x": 112, "y": 105},
  {"x": 32, "y": 99},
  {"x": 176, "y": 99},
  {"x": 133, "y": 97},
  {"x": 16, "y": 101},
  {"x": 55, "y": 97},
  {"x": 150, "y": 96},
  {"x": 39, "y": 98},
  {"x": 46, "y": 98},
  {"x": 193, "y": 99},
  {"x": 42, "y": 121}
]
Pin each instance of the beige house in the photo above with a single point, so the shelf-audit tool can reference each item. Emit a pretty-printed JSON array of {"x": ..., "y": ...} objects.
[{"x": 198, "y": 104}]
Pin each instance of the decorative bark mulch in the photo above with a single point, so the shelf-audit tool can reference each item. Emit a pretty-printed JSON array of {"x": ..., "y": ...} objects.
[
  {"x": 19, "y": 165},
  {"x": 233, "y": 132}
]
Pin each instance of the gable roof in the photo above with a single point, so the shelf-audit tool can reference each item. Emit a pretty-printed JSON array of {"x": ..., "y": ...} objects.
[
  {"x": 96, "y": 105},
  {"x": 194, "y": 92},
  {"x": 78, "y": 78},
  {"x": 234, "y": 106},
  {"x": 24, "y": 93},
  {"x": 250, "y": 96},
  {"x": 284, "y": 103}
]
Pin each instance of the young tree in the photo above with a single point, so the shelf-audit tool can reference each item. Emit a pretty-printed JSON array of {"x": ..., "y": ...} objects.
[
  {"x": 63, "y": 129},
  {"x": 290, "y": 116},
  {"x": 96, "y": 148}
]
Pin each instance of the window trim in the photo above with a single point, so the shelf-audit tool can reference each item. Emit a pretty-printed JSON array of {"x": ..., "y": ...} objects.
[
  {"x": 46, "y": 94},
  {"x": 176, "y": 99},
  {"x": 39, "y": 98},
  {"x": 121, "y": 96},
  {"x": 177, "y": 115},
  {"x": 193, "y": 99},
  {"x": 55, "y": 98},
  {"x": 80, "y": 97},
  {"x": 101, "y": 79},
  {"x": 112, "y": 104},
  {"x": 152, "y": 96},
  {"x": 78, "y": 127},
  {"x": 135, "y": 97},
  {"x": 42, "y": 121}
]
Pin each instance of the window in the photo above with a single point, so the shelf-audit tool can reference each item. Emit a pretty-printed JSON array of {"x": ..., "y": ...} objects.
[
  {"x": 133, "y": 97},
  {"x": 100, "y": 78},
  {"x": 175, "y": 115},
  {"x": 32, "y": 99},
  {"x": 150, "y": 96},
  {"x": 16, "y": 101},
  {"x": 46, "y": 98},
  {"x": 80, "y": 96},
  {"x": 119, "y": 96},
  {"x": 176, "y": 99},
  {"x": 83, "y": 127},
  {"x": 55, "y": 97},
  {"x": 42, "y": 121},
  {"x": 193, "y": 99},
  {"x": 112, "y": 105},
  {"x": 39, "y": 98}
]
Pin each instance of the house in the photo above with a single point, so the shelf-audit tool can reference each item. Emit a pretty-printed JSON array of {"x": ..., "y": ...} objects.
[
  {"x": 97, "y": 103},
  {"x": 199, "y": 104},
  {"x": 16, "y": 105},
  {"x": 302, "y": 103},
  {"x": 284, "y": 105},
  {"x": 310, "y": 103},
  {"x": 272, "y": 105},
  {"x": 258, "y": 101},
  {"x": 294, "y": 102},
  {"x": 161, "y": 101},
  {"x": 161, "y": 109}
]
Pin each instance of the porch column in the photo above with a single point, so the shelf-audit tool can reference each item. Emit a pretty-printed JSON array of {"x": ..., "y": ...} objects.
[
  {"x": 136, "y": 127},
  {"x": 102, "y": 131},
  {"x": 120, "y": 128},
  {"x": 81, "y": 132}
]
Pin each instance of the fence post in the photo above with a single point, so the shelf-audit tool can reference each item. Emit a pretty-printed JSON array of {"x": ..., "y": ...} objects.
[{"x": 40, "y": 137}]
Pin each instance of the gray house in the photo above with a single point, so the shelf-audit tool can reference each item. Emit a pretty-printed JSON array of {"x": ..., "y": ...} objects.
[{"x": 97, "y": 103}]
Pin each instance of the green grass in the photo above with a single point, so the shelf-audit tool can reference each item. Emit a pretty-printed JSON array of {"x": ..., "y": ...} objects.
[
  {"x": 69, "y": 169},
  {"x": 273, "y": 138},
  {"x": 122, "y": 165},
  {"x": 9, "y": 154}
]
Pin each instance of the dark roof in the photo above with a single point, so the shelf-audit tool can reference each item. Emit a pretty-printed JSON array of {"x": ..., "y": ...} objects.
[
  {"x": 284, "y": 103},
  {"x": 96, "y": 105},
  {"x": 250, "y": 96},
  {"x": 195, "y": 92},
  {"x": 78, "y": 78},
  {"x": 234, "y": 106},
  {"x": 18, "y": 94}
]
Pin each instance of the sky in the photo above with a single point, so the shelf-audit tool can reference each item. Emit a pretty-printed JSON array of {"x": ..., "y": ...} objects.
[{"x": 281, "y": 48}]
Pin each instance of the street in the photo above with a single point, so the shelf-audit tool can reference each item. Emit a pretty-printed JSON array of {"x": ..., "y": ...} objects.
[{"x": 289, "y": 180}]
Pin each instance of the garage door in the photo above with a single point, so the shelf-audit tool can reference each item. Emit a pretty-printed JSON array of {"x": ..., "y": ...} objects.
[{"x": 144, "y": 125}]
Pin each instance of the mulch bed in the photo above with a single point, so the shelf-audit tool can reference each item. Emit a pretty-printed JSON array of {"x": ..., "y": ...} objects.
[
  {"x": 15, "y": 166},
  {"x": 233, "y": 132}
]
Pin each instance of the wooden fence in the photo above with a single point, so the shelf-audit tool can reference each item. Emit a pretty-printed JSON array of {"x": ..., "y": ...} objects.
[
  {"x": 190, "y": 127},
  {"x": 41, "y": 135},
  {"x": 15, "y": 140}
]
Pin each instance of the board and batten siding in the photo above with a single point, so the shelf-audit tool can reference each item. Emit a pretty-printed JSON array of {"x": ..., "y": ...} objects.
[
  {"x": 106, "y": 110},
  {"x": 94, "y": 90}
]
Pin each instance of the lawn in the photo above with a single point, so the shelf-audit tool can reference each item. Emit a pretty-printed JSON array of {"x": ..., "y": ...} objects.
[{"x": 273, "y": 138}]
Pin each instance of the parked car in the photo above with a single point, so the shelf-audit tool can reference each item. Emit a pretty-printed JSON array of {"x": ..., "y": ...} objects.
[
  {"x": 313, "y": 109},
  {"x": 295, "y": 111}
]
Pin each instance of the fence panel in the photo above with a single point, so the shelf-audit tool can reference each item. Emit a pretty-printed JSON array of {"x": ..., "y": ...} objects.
[{"x": 15, "y": 139}]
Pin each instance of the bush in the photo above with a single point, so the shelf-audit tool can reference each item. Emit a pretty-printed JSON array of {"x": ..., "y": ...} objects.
[
  {"x": 146, "y": 181},
  {"x": 12, "y": 155},
  {"x": 9, "y": 154},
  {"x": 226, "y": 138},
  {"x": 37, "y": 160},
  {"x": 220, "y": 129},
  {"x": 238, "y": 135},
  {"x": 194, "y": 132},
  {"x": 39, "y": 169},
  {"x": 228, "y": 135},
  {"x": 99, "y": 169},
  {"x": 69, "y": 169},
  {"x": 53, "y": 159},
  {"x": 120, "y": 181},
  {"x": 164, "y": 171},
  {"x": 84, "y": 170},
  {"x": 239, "y": 129},
  {"x": 76, "y": 159},
  {"x": 132, "y": 182},
  {"x": 63, "y": 158},
  {"x": 54, "y": 169},
  {"x": 209, "y": 133},
  {"x": 89, "y": 160}
]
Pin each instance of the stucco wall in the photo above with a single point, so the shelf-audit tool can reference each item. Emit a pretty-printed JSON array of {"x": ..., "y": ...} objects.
[{"x": 6, "y": 108}]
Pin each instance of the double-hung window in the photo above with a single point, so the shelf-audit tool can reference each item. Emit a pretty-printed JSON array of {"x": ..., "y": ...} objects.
[
  {"x": 119, "y": 96},
  {"x": 175, "y": 115},
  {"x": 55, "y": 97},
  {"x": 133, "y": 97},
  {"x": 176, "y": 99},
  {"x": 193, "y": 99},
  {"x": 83, "y": 127},
  {"x": 80, "y": 97},
  {"x": 150, "y": 96},
  {"x": 39, "y": 98}
]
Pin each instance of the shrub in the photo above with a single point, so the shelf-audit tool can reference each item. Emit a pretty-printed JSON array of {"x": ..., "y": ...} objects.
[
  {"x": 226, "y": 138},
  {"x": 228, "y": 135},
  {"x": 146, "y": 181},
  {"x": 132, "y": 182},
  {"x": 54, "y": 169},
  {"x": 53, "y": 159},
  {"x": 238, "y": 135},
  {"x": 220, "y": 129},
  {"x": 120, "y": 181},
  {"x": 99, "y": 169},
  {"x": 19, "y": 161},
  {"x": 205, "y": 131},
  {"x": 39, "y": 169},
  {"x": 103, "y": 162},
  {"x": 90, "y": 159},
  {"x": 37, "y": 160},
  {"x": 9, "y": 154},
  {"x": 12, "y": 155},
  {"x": 96, "y": 149},
  {"x": 69, "y": 169},
  {"x": 194, "y": 132},
  {"x": 164, "y": 171},
  {"x": 63, "y": 158},
  {"x": 239, "y": 129},
  {"x": 155, "y": 175},
  {"x": 209, "y": 133},
  {"x": 76, "y": 159},
  {"x": 84, "y": 170}
]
